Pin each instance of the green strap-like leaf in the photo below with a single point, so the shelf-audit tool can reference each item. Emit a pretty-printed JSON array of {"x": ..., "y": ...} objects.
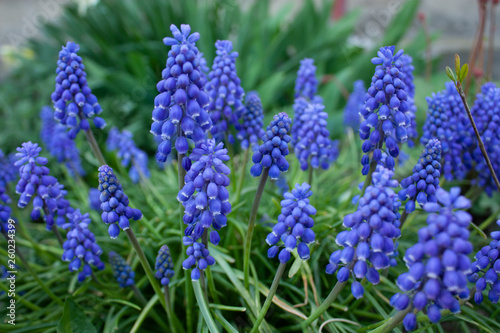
[{"x": 73, "y": 320}]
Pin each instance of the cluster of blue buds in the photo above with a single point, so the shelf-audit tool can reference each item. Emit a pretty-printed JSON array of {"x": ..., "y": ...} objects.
[
  {"x": 354, "y": 103},
  {"x": 129, "y": 154},
  {"x": 421, "y": 186},
  {"x": 164, "y": 267},
  {"x": 226, "y": 94},
  {"x": 314, "y": 146},
  {"x": 408, "y": 69},
  {"x": 5, "y": 210},
  {"x": 94, "y": 201},
  {"x": 488, "y": 263},
  {"x": 306, "y": 84},
  {"x": 251, "y": 128},
  {"x": 55, "y": 138},
  {"x": 80, "y": 248},
  {"x": 438, "y": 264},
  {"x": 179, "y": 112},
  {"x": 114, "y": 203},
  {"x": 272, "y": 151},
  {"x": 8, "y": 172},
  {"x": 447, "y": 121},
  {"x": 206, "y": 201},
  {"x": 73, "y": 100},
  {"x": 385, "y": 110},
  {"x": 299, "y": 108},
  {"x": 122, "y": 271},
  {"x": 294, "y": 226},
  {"x": 35, "y": 182},
  {"x": 486, "y": 113},
  {"x": 369, "y": 245}
]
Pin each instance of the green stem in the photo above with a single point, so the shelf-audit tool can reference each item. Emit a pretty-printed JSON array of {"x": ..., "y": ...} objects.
[
  {"x": 251, "y": 226},
  {"x": 403, "y": 218},
  {"x": 35, "y": 276},
  {"x": 58, "y": 234},
  {"x": 368, "y": 179},
  {"x": 95, "y": 147},
  {"x": 145, "y": 265},
  {"x": 270, "y": 295},
  {"x": 202, "y": 303},
  {"x": 170, "y": 315},
  {"x": 243, "y": 172},
  {"x": 139, "y": 295},
  {"x": 329, "y": 300},
  {"x": 392, "y": 323},
  {"x": 19, "y": 299},
  {"x": 310, "y": 178}
]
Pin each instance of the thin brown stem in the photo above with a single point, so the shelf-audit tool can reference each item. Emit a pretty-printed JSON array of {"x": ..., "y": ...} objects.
[
  {"x": 95, "y": 147},
  {"x": 478, "y": 41},
  {"x": 478, "y": 136}
]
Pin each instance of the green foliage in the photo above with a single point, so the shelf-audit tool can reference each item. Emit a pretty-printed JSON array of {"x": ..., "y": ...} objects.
[{"x": 73, "y": 320}]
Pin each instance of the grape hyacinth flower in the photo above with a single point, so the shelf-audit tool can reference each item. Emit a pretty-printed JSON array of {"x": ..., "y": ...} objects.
[
  {"x": 73, "y": 100},
  {"x": 385, "y": 110},
  {"x": 35, "y": 182},
  {"x": 80, "y": 248},
  {"x": 421, "y": 186},
  {"x": 114, "y": 203},
  {"x": 122, "y": 271},
  {"x": 204, "y": 69},
  {"x": 94, "y": 201},
  {"x": 488, "y": 263},
  {"x": 251, "y": 128},
  {"x": 8, "y": 172},
  {"x": 226, "y": 94},
  {"x": 272, "y": 151},
  {"x": 306, "y": 84},
  {"x": 206, "y": 201},
  {"x": 164, "y": 267},
  {"x": 438, "y": 265},
  {"x": 354, "y": 103},
  {"x": 314, "y": 146},
  {"x": 447, "y": 121},
  {"x": 486, "y": 113},
  {"x": 299, "y": 107},
  {"x": 55, "y": 137},
  {"x": 294, "y": 226},
  {"x": 179, "y": 111},
  {"x": 5, "y": 210},
  {"x": 370, "y": 243},
  {"x": 408, "y": 69},
  {"x": 128, "y": 153}
]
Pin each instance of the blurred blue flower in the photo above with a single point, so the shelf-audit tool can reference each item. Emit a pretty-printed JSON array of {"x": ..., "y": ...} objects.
[
  {"x": 164, "y": 267},
  {"x": 180, "y": 107},
  {"x": 438, "y": 265},
  {"x": 306, "y": 84},
  {"x": 421, "y": 186},
  {"x": 129, "y": 154},
  {"x": 114, "y": 203},
  {"x": 294, "y": 226},
  {"x": 122, "y": 271},
  {"x": 299, "y": 107},
  {"x": 73, "y": 100},
  {"x": 8, "y": 172},
  {"x": 251, "y": 129},
  {"x": 272, "y": 151},
  {"x": 407, "y": 70},
  {"x": 94, "y": 201},
  {"x": 354, "y": 103},
  {"x": 226, "y": 106}
]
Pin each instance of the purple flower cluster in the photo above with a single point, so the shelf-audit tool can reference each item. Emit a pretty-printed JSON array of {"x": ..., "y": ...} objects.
[
  {"x": 486, "y": 113},
  {"x": 251, "y": 128},
  {"x": 488, "y": 263},
  {"x": 164, "y": 267},
  {"x": 407, "y": 70},
  {"x": 421, "y": 186},
  {"x": 73, "y": 100},
  {"x": 122, "y": 271},
  {"x": 8, "y": 172},
  {"x": 179, "y": 112},
  {"x": 299, "y": 108},
  {"x": 226, "y": 94},
  {"x": 385, "y": 110},
  {"x": 35, "y": 182},
  {"x": 438, "y": 264},
  {"x": 314, "y": 146},
  {"x": 272, "y": 151},
  {"x": 55, "y": 138},
  {"x": 128, "y": 153},
  {"x": 294, "y": 226},
  {"x": 204, "y": 69},
  {"x": 447, "y": 121},
  {"x": 369, "y": 245},
  {"x": 354, "y": 103},
  {"x": 80, "y": 248},
  {"x": 114, "y": 203},
  {"x": 206, "y": 201},
  {"x": 306, "y": 84},
  {"x": 94, "y": 201}
]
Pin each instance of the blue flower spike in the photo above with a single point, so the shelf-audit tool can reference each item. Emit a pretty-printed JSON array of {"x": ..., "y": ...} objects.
[
  {"x": 251, "y": 128},
  {"x": 122, "y": 271},
  {"x": 306, "y": 84},
  {"x": 164, "y": 267},
  {"x": 116, "y": 212},
  {"x": 356, "y": 101}
]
